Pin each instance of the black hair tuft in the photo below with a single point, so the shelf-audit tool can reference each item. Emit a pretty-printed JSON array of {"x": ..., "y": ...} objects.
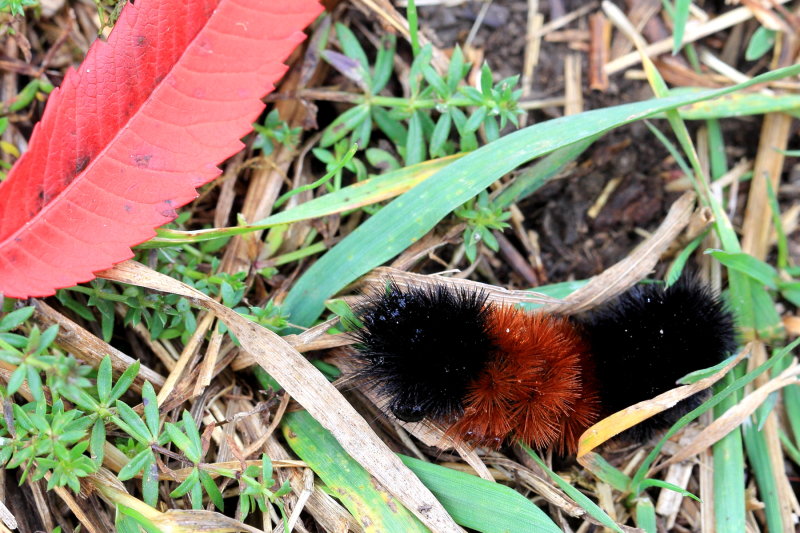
[
  {"x": 650, "y": 337},
  {"x": 421, "y": 346}
]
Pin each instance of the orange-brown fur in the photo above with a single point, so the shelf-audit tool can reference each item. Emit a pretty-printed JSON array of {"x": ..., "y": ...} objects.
[{"x": 538, "y": 387}]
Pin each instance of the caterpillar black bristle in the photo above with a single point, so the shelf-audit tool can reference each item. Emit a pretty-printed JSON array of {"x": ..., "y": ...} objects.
[
  {"x": 648, "y": 338},
  {"x": 421, "y": 346}
]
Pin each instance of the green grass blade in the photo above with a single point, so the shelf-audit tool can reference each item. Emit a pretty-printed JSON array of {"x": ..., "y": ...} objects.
[
  {"x": 738, "y": 105},
  {"x": 412, "y": 215},
  {"x": 783, "y": 245},
  {"x": 747, "y": 264},
  {"x": 676, "y": 269},
  {"x": 697, "y": 375},
  {"x": 716, "y": 150},
  {"x": 758, "y": 456},
  {"x": 531, "y": 179},
  {"x": 588, "y": 505},
  {"x": 360, "y": 194},
  {"x": 791, "y": 395},
  {"x": 723, "y": 396},
  {"x": 345, "y": 478},
  {"x": 789, "y": 447},
  {"x": 669, "y": 486},
  {"x": 646, "y": 515},
  {"x": 479, "y": 504},
  {"x": 140, "y": 519},
  {"x": 679, "y": 18},
  {"x": 603, "y": 471},
  {"x": 413, "y": 27},
  {"x": 728, "y": 460},
  {"x": 671, "y": 148},
  {"x": 556, "y": 290}
]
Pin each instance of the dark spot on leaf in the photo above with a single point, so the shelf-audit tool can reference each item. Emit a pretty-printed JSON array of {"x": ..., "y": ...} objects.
[
  {"x": 17, "y": 239},
  {"x": 141, "y": 40},
  {"x": 158, "y": 79},
  {"x": 81, "y": 163},
  {"x": 424, "y": 509},
  {"x": 128, "y": 208},
  {"x": 44, "y": 198},
  {"x": 169, "y": 213},
  {"x": 142, "y": 160}
]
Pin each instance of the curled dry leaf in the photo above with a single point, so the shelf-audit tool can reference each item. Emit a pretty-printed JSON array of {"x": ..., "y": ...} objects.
[
  {"x": 7, "y": 517},
  {"x": 310, "y": 388},
  {"x": 736, "y": 415},
  {"x": 629, "y": 417},
  {"x": 316, "y": 338},
  {"x": 377, "y": 279},
  {"x": 601, "y": 288},
  {"x": 638, "y": 264}
]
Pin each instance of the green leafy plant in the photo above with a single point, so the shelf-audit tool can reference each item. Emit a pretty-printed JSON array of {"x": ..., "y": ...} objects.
[
  {"x": 187, "y": 438},
  {"x": 420, "y": 124},
  {"x": 761, "y": 42},
  {"x": 65, "y": 443},
  {"x": 108, "y": 12},
  {"x": 43, "y": 436},
  {"x": 255, "y": 489},
  {"x": 481, "y": 217},
  {"x": 46, "y": 440},
  {"x": 274, "y": 130},
  {"x": 100, "y": 407},
  {"x": 270, "y": 316},
  {"x": 337, "y": 160},
  {"x": 17, "y": 7},
  {"x": 145, "y": 433},
  {"x": 29, "y": 354}
]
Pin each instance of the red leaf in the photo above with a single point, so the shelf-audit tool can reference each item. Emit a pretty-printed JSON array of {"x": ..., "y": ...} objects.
[{"x": 128, "y": 137}]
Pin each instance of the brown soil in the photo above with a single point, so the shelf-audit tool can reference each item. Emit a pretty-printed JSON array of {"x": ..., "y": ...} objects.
[{"x": 574, "y": 245}]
